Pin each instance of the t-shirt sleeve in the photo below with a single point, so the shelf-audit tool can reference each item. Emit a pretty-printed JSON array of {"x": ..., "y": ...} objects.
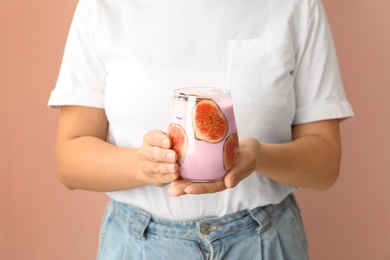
[
  {"x": 318, "y": 85},
  {"x": 81, "y": 80}
]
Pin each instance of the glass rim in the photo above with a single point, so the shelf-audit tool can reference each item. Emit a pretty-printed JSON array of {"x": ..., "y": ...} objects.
[{"x": 202, "y": 91}]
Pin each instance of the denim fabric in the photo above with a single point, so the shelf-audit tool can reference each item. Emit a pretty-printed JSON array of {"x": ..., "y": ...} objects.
[{"x": 270, "y": 232}]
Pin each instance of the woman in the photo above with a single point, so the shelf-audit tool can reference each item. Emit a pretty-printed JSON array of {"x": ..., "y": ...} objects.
[{"x": 122, "y": 61}]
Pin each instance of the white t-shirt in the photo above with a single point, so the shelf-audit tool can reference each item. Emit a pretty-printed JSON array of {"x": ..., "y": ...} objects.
[{"x": 277, "y": 58}]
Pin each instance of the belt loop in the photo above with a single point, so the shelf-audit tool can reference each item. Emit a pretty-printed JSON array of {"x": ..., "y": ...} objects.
[
  {"x": 140, "y": 224},
  {"x": 261, "y": 217}
]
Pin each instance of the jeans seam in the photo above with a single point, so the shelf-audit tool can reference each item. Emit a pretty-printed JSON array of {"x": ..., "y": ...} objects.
[
  {"x": 298, "y": 221},
  {"x": 105, "y": 226}
]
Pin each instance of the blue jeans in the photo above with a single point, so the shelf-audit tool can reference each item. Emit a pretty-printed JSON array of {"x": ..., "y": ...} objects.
[{"x": 269, "y": 232}]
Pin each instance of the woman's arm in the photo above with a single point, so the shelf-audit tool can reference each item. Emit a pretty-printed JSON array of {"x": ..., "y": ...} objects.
[
  {"x": 311, "y": 160},
  {"x": 86, "y": 161}
]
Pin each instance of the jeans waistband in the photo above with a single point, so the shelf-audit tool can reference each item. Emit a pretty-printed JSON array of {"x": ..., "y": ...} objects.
[{"x": 140, "y": 223}]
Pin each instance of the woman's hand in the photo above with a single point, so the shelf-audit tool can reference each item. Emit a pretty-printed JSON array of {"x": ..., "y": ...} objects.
[
  {"x": 242, "y": 168},
  {"x": 310, "y": 160},
  {"x": 157, "y": 160}
]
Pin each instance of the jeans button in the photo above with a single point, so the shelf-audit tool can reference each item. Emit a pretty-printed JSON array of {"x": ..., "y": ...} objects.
[{"x": 205, "y": 229}]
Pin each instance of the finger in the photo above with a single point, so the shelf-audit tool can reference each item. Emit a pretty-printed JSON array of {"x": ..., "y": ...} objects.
[
  {"x": 231, "y": 179},
  {"x": 164, "y": 168},
  {"x": 156, "y": 168},
  {"x": 165, "y": 179},
  {"x": 157, "y": 154},
  {"x": 205, "y": 187},
  {"x": 162, "y": 178},
  {"x": 157, "y": 138},
  {"x": 177, "y": 188},
  {"x": 237, "y": 174}
]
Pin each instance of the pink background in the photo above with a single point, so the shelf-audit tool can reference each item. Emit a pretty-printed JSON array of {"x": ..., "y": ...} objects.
[{"x": 40, "y": 219}]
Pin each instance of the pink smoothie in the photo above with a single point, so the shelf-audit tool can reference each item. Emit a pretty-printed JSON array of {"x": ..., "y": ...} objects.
[{"x": 203, "y": 160}]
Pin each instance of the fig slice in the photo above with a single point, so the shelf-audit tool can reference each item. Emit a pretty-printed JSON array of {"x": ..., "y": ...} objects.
[
  {"x": 209, "y": 121},
  {"x": 178, "y": 137},
  {"x": 230, "y": 151}
]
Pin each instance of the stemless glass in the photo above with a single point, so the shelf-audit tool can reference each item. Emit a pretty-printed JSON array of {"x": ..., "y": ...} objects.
[{"x": 203, "y": 132}]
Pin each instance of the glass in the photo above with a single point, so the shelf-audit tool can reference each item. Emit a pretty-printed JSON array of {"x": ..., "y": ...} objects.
[{"x": 203, "y": 132}]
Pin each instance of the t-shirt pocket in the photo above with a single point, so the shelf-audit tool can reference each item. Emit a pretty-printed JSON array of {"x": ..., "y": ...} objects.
[{"x": 260, "y": 71}]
